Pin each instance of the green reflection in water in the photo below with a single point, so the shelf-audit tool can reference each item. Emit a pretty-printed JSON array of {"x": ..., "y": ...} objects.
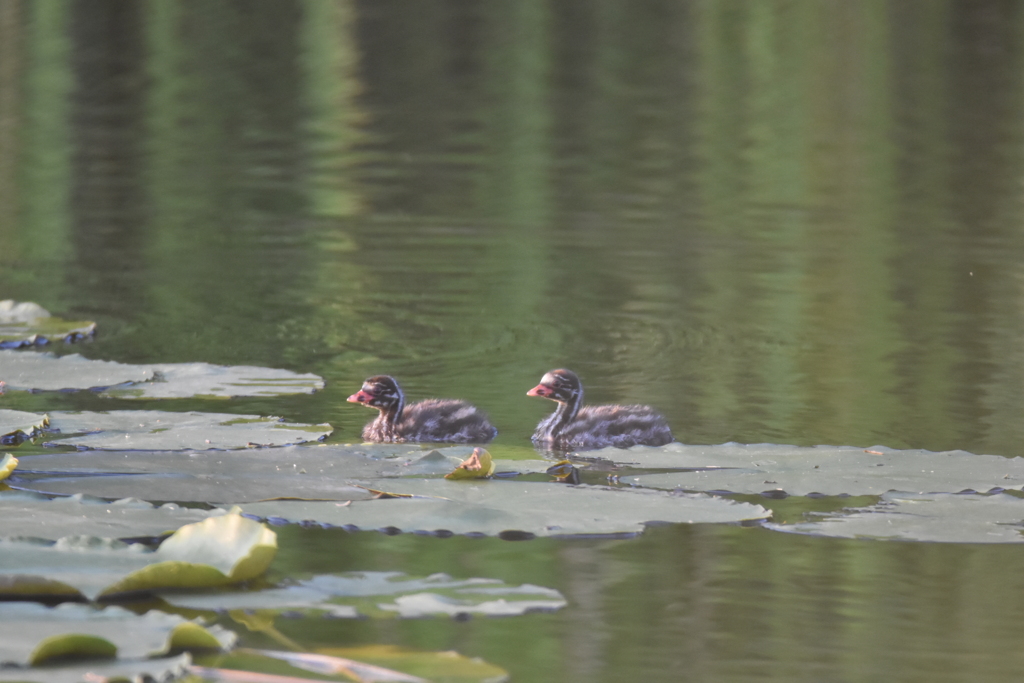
[{"x": 795, "y": 222}]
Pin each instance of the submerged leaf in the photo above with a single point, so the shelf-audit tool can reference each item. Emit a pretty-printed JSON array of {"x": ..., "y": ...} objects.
[
  {"x": 29, "y": 324},
  {"x": 160, "y": 430},
  {"x": 939, "y": 517}
]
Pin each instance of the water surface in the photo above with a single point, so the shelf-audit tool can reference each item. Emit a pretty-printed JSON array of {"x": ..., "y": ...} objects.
[{"x": 789, "y": 222}]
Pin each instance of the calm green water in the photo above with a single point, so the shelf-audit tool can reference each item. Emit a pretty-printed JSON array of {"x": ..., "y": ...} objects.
[{"x": 790, "y": 222}]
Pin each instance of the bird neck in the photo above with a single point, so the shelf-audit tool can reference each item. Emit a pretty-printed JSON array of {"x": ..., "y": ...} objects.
[
  {"x": 564, "y": 414},
  {"x": 390, "y": 414}
]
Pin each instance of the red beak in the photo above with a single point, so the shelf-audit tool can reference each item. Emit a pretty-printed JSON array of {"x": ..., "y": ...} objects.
[
  {"x": 359, "y": 397},
  {"x": 540, "y": 390}
]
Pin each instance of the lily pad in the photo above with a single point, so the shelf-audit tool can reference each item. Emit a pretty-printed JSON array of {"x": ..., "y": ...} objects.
[
  {"x": 219, "y": 551},
  {"x": 34, "y": 634},
  {"x": 942, "y": 517},
  {"x": 17, "y": 426},
  {"x": 24, "y": 514},
  {"x": 31, "y": 371},
  {"x": 366, "y": 663},
  {"x": 826, "y": 470},
  {"x": 156, "y": 669},
  {"x": 166, "y": 431},
  {"x": 449, "y": 667},
  {"x": 29, "y": 324},
  {"x": 47, "y": 372},
  {"x": 313, "y": 471},
  {"x": 511, "y": 509},
  {"x": 383, "y": 594},
  {"x": 203, "y": 380}
]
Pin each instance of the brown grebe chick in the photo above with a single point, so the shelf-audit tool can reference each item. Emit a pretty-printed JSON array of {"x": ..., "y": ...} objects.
[
  {"x": 435, "y": 419},
  {"x": 574, "y": 426}
]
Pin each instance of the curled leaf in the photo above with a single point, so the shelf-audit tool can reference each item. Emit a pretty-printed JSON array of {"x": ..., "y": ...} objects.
[
  {"x": 218, "y": 551},
  {"x": 479, "y": 465},
  {"x": 7, "y": 464}
]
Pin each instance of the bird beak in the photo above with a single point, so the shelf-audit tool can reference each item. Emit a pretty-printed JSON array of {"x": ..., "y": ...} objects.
[
  {"x": 540, "y": 390},
  {"x": 359, "y": 397}
]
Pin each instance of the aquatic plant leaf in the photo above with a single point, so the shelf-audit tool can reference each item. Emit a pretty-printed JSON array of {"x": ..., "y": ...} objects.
[
  {"x": 441, "y": 667},
  {"x": 510, "y": 509},
  {"x": 479, "y": 465},
  {"x": 17, "y": 426},
  {"x": 382, "y": 594},
  {"x": 312, "y": 471},
  {"x": 7, "y": 464},
  {"x": 334, "y": 665},
  {"x": 218, "y": 551},
  {"x": 102, "y": 671},
  {"x": 34, "y": 371},
  {"x": 937, "y": 517},
  {"x": 165, "y": 431},
  {"x": 826, "y": 470},
  {"x": 29, "y": 371},
  {"x": 29, "y": 515},
  {"x": 371, "y": 663},
  {"x": 90, "y": 567},
  {"x": 35, "y": 634},
  {"x": 29, "y": 324},
  {"x": 203, "y": 380}
]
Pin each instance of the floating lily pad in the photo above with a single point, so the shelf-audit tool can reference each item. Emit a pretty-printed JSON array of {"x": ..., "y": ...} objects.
[
  {"x": 17, "y": 426},
  {"x": 25, "y": 514},
  {"x": 826, "y": 470},
  {"x": 941, "y": 517},
  {"x": 165, "y": 431},
  {"x": 29, "y": 324},
  {"x": 383, "y": 594},
  {"x": 366, "y": 663},
  {"x": 314, "y": 471},
  {"x": 511, "y": 509},
  {"x": 31, "y": 371},
  {"x": 156, "y": 669},
  {"x": 450, "y": 667},
  {"x": 219, "y": 551},
  {"x": 34, "y": 634},
  {"x": 23, "y": 371},
  {"x": 203, "y": 380}
]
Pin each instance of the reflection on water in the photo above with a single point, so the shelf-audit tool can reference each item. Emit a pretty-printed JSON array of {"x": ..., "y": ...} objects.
[{"x": 774, "y": 221}]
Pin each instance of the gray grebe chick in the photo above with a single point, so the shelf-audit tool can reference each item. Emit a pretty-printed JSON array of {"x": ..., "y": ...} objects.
[
  {"x": 435, "y": 419},
  {"x": 574, "y": 426}
]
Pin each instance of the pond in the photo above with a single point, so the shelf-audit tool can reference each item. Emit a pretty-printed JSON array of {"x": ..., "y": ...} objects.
[{"x": 777, "y": 222}]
